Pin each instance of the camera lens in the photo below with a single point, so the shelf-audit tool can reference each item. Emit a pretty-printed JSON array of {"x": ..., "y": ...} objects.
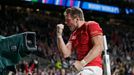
[{"x": 30, "y": 40}]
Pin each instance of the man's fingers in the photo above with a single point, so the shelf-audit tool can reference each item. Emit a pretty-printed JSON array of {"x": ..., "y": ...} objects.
[{"x": 60, "y": 26}]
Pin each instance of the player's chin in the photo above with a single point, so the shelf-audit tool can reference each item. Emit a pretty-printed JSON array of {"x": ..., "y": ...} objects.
[{"x": 71, "y": 28}]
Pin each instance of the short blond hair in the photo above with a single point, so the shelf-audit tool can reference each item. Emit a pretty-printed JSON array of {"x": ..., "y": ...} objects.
[{"x": 74, "y": 12}]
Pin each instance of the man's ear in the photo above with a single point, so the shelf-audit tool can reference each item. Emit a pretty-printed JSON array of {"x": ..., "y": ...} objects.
[{"x": 77, "y": 18}]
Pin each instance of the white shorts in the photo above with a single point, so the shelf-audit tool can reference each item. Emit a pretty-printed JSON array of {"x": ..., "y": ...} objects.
[{"x": 91, "y": 70}]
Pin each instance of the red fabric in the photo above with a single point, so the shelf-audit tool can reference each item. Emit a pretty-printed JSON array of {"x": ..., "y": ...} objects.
[
  {"x": 29, "y": 69},
  {"x": 26, "y": 68},
  {"x": 81, "y": 39}
]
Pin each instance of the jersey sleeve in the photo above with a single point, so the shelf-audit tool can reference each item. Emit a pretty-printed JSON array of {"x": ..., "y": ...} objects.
[{"x": 94, "y": 29}]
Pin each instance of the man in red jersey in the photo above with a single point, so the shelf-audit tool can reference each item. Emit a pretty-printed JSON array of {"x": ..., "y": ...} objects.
[{"x": 86, "y": 39}]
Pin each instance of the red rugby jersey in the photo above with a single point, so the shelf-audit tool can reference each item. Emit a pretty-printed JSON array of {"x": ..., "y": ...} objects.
[{"x": 81, "y": 41}]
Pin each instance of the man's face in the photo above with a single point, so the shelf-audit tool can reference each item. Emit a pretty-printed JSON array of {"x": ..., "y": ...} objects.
[{"x": 71, "y": 22}]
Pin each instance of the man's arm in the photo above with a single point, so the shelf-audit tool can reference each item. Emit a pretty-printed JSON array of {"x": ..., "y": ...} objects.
[
  {"x": 95, "y": 51},
  {"x": 65, "y": 49},
  {"x": 92, "y": 54}
]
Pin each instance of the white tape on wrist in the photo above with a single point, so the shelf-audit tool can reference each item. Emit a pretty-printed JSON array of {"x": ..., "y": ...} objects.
[{"x": 83, "y": 62}]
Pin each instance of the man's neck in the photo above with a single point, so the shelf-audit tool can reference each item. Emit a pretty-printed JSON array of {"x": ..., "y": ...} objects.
[{"x": 81, "y": 23}]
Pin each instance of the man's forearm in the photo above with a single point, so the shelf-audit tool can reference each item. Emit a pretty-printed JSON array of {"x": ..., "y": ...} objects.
[
  {"x": 62, "y": 47},
  {"x": 94, "y": 52}
]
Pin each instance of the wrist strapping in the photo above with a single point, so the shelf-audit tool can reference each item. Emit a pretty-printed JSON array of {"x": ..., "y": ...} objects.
[{"x": 83, "y": 62}]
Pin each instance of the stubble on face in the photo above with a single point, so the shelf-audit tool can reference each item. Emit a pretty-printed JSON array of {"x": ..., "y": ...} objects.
[
  {"x": 71, "y": 23},
  {"x": 73, "y": 27}
]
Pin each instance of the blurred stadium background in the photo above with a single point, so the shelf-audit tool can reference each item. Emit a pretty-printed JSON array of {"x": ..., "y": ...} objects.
[{"x": 116, "y": 17}]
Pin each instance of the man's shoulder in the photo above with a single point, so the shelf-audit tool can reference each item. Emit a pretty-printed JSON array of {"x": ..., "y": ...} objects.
[{"x": 92, "y": 23}]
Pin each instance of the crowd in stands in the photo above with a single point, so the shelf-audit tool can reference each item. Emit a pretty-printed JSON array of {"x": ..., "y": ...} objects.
[{"x": 47, "y": 60}]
